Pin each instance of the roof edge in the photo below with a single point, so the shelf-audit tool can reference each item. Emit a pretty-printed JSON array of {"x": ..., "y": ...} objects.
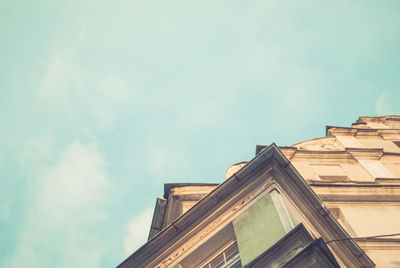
[{"x": 169, "y": 186}]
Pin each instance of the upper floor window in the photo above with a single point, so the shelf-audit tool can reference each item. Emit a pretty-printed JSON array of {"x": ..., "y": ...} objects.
[
  {"x": 251, "y": 233},
  {"x": 227, "y": 257}
]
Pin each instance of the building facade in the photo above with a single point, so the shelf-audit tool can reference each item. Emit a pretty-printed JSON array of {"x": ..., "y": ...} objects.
[{"x": 326, "y": 202}]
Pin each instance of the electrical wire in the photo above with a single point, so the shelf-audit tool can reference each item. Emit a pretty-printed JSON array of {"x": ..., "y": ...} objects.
[{"x": 364, "y": 237}]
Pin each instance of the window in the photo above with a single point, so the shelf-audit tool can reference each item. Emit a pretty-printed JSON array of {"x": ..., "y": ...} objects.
[
  {"x": 261, "y": 225},
  {"x": 219, "y": 251},
  {"x": 228, "y": 257},
  {"x": 256, "y": 229},
  {"x": 397, "y": 143}
]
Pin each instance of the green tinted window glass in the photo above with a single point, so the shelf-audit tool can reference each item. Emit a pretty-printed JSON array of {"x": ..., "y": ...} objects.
[{"x": 257, "y": 229}]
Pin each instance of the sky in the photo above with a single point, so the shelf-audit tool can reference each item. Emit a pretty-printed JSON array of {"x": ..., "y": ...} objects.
[{"x": 102, "y": 102}]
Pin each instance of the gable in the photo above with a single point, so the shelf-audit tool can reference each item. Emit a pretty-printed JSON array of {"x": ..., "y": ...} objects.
[{"x": 269, "y": 171}]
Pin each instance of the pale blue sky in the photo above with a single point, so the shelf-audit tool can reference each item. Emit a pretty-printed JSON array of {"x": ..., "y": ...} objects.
[{"x": 102, "y": 102}]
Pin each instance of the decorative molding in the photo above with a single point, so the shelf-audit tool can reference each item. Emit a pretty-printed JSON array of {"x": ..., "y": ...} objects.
[{"x": 320, "y": 144}]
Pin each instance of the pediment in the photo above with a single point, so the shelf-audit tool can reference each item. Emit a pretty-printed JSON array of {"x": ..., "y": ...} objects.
[{"x": 269, "y": 172}]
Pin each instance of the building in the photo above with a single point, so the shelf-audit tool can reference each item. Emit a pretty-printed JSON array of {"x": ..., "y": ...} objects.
[{"x": 326, "y": 202}]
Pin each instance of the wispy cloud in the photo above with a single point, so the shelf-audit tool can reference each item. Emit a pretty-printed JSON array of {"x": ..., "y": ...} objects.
[
  {"x": 65, "y": 208},
  {"x": 58, "y": 77},
  {"x": 138, "y": 231},
  {"x": 72, "y": 90},
  {"x": 36, "y": 152},
  {"x": 110, "y": 96}
]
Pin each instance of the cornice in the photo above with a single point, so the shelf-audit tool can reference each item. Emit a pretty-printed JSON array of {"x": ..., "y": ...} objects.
[
  {"x": 365, "y": 153},
  {"x": 332, "y": 131},
  {"x": 349, "y": 154},
  {"x": 357, "y": 192},
  {"x": 169, "y": 186}
]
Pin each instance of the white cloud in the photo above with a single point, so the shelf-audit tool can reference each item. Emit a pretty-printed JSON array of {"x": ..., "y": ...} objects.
[
  {"x": 36, "y": 151},
  {"x": 65, "y": 208},
  {"x": 57, "y": 77},
  {"x": 138, "y": 231},
  {"x": 75, "y": 181}
]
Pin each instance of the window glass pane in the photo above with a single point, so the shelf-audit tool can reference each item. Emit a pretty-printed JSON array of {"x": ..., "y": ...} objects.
[{"x": 257, "y": 229}]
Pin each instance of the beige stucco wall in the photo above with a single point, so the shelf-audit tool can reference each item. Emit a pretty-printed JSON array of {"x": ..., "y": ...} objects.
[{"x": 356, "y": 171}]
